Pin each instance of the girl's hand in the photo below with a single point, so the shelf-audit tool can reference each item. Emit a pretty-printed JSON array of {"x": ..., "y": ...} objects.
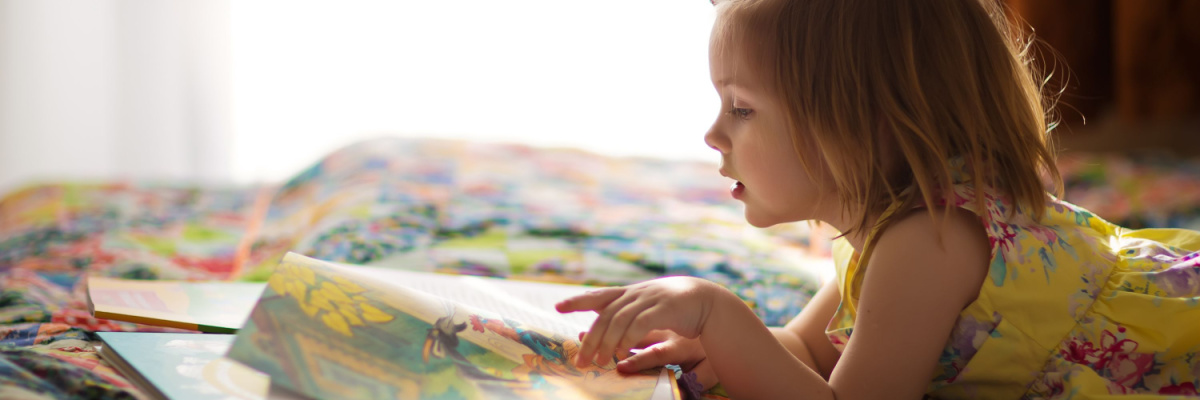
[
  {"x": 665, "y": 347},
  {"x": 629, "y": 313}
]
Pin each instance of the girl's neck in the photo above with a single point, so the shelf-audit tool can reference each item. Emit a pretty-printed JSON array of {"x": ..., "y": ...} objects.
[{"x": 842, "y": 221}]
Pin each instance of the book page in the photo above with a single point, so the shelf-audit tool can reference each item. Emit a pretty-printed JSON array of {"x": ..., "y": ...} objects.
[{"x": 528, "y": 302}]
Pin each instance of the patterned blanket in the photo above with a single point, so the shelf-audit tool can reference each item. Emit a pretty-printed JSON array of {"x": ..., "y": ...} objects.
[{"x": 467, "y": 208}]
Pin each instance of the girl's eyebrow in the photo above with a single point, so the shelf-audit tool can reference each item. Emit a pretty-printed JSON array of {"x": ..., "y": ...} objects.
[
  {"x": 731, "y": 82},
  {"x": 741, "y": 92}
]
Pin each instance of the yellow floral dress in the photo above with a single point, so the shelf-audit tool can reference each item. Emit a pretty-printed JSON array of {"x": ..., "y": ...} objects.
[{"x": 1072, "y": 307}]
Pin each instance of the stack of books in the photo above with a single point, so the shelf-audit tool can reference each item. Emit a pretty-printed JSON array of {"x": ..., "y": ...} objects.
[{"x": 334, "y": 331}]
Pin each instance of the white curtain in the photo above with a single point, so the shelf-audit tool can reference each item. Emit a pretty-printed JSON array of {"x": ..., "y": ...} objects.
[
  {"x": 105, "y": 89},
  {"x": 203, "y": 91},
  {"x": 618, "y": 77}
]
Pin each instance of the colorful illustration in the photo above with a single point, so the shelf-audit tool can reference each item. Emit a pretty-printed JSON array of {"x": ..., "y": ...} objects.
[
  {"x": 328, "y": 332},
  {"x": 216, "y": 307},
  {"x": 182, "y": 365}
]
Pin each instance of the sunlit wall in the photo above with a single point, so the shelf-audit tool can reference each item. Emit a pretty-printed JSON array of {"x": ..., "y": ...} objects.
[{"x": 623, "y": 77}]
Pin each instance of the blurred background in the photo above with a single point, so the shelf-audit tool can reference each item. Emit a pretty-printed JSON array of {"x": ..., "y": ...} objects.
[
  {"x": 1130, "y": 70},
  {"x": 236, "y": 92},
  {"x": 254, "y": 91}
]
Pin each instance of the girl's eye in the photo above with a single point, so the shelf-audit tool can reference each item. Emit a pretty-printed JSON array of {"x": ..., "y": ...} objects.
[{"x": 743, "y": 113}]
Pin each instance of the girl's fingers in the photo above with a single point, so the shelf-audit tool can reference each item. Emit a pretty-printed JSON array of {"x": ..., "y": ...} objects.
[
  {"x": 653, "y": 356},
  {"x": 621, "y": 355},
  {"x": 599, "y": 330},
  {"x": 637, "y": 328},
  {"x": 593, "y": 300},
  {"x": 619, "y": 328},
  {"x": 652, "y": 338}
]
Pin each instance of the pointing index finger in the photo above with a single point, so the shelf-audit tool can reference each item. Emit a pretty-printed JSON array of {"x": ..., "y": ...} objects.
[{"x": 590, "y": 301}]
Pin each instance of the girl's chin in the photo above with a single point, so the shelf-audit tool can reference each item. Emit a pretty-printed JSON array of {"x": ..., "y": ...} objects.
[{"x": 760, "y": 221}]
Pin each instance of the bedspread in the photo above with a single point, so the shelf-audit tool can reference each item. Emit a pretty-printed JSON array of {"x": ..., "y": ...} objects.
[
  {"x": 457, "y": 207},
  {"x": 470, "y": 208}
]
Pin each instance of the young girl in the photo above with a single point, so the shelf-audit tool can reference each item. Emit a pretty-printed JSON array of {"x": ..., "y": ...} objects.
[{"x": 917, "y": 129}]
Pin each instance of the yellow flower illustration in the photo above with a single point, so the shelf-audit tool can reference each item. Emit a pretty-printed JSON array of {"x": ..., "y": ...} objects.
[
  {"x": 347, "y": 286},
  {"x": 336, "y": 322},
  {"x": 297, "y": 289},
  {"x": 307, "y": 275},
  {"x": 374, "y": 314},
  {"x": 351, "y": 314},
  {"x": 277, "y": 283},
  {"x": 336, "y": 301},
  {"x": 309, "y": 309},
  {"x": 321, "y": 301},
  {"x": 334, "y": 293}
]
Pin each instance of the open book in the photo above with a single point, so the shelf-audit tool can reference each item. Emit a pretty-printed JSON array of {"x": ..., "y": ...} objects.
[{"x": 335, "y": 331}]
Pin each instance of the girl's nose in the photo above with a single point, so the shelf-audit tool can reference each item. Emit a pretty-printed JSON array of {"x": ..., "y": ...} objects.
[{"x": 716, "y": 140}]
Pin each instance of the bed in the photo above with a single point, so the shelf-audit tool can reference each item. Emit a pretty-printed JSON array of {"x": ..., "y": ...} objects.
[{"x": 489, "y": 209}]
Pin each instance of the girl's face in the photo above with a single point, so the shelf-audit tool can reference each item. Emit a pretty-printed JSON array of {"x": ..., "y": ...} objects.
[{"x": 752, "y": 134}]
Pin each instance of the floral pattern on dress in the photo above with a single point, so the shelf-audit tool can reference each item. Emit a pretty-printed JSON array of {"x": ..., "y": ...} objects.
[{"x": 1072, "y": 306}]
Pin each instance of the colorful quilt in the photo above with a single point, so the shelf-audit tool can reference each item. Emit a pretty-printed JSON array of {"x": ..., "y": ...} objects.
[
  {"x": 467, "y": 208},
  {"x": 1139, "y": 190},
  {"x": 457, "y": 207}
]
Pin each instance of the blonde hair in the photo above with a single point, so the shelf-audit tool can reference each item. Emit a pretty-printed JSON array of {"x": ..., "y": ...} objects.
[{"x": 896, "y": 89}]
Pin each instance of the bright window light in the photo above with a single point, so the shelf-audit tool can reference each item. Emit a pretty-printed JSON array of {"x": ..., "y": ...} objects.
[{"x": 615, "y": 77}]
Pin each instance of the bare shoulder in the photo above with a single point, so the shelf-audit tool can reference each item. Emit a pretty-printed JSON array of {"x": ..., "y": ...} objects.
[
  {"x": 952, "y": 251},
  {"x": 912, "y": 293}
]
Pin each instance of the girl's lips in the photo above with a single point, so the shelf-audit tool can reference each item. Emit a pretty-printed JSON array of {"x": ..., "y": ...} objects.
[{"x": 736, "y": 189}]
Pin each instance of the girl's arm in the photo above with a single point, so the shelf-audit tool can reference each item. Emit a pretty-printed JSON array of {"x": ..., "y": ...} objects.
[
  {"x": 804, "y": 336},
  {"x": 748, "y": 359},
  {"x": 912, "y": 293}
]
